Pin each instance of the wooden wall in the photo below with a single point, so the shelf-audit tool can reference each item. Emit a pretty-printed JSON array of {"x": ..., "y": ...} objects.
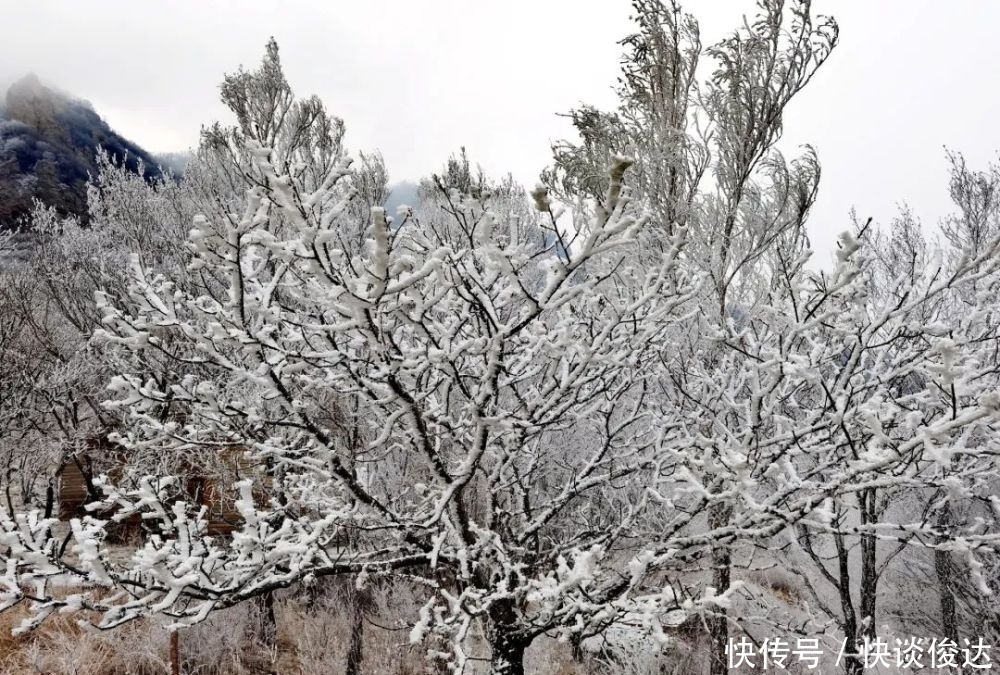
[{"x": 222, "y": 517}]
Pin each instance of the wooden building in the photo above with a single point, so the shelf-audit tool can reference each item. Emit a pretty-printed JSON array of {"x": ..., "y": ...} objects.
[{"x": 76, "y": 489}]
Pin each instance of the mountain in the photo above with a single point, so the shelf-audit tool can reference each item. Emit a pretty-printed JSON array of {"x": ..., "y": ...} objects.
[
  {"x": 173, "y": 162},
  {"x": 401, "y": 194},
  {"x": 48, "y": 145}
]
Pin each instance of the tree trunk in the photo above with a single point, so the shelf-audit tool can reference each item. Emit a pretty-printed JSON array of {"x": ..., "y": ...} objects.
[
  {"x": 50, "y": 498},
  {"x": 718, "y": 624},
  {"x": 269, "y": 623},
  {"x": 175, "y": 653},
  {"x": 507, "y": 645},
  {"x": 849, "y": 624},
  {"x": 267, "y": 629},
  {"x": 949, "y": 621},
  {"x": 361, "y": 602},
  {"x": 859, "y": 628},
  {"x": 507, "y": 656},
  {"x": 944, "y": 569},
  {"x": 869, "y": 570}
]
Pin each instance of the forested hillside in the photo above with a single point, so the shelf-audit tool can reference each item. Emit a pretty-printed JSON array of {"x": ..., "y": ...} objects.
[{"x": 49, "y": 144}]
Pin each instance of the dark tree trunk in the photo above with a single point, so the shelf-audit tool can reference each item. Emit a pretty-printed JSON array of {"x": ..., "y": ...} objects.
[
  {"x": 718, "y": 624},
  {"x": 50, "y": 499},
  {"x": 507, "y": 657},
  {"x": 269, "y": 623},
  {"x": 267, "y": 629},
  {"x": 859, "y": 627},
  {"x": 944, "y": 569},
  {"x": 869, "y": 571},
  {"x": 852, "y": 663},
  {"x": 507, "y": 645},
  {"x": 949, "y": 620},
  {"x": 361, "y": 602},
  {"x": 175, "y": 653}
]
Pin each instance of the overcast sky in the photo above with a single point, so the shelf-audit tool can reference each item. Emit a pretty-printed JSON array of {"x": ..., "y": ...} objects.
[{"x": 419, "y": 79}]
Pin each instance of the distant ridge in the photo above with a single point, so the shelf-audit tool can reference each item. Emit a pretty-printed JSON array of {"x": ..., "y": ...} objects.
[{"x": 48, "y": 146}]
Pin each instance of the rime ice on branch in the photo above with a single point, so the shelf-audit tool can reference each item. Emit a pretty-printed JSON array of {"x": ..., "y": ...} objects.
[{"x": 551, "y": 420}]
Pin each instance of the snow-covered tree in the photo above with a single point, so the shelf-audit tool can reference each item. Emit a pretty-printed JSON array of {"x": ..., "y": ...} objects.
[
  {"x": 551, "y": 414},
  {"x": 777, "y": 345},
  {"x": 473, "y": 362}
]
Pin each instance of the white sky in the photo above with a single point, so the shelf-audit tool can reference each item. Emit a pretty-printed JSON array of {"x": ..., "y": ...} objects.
[{"x": 419, "y": 79}]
